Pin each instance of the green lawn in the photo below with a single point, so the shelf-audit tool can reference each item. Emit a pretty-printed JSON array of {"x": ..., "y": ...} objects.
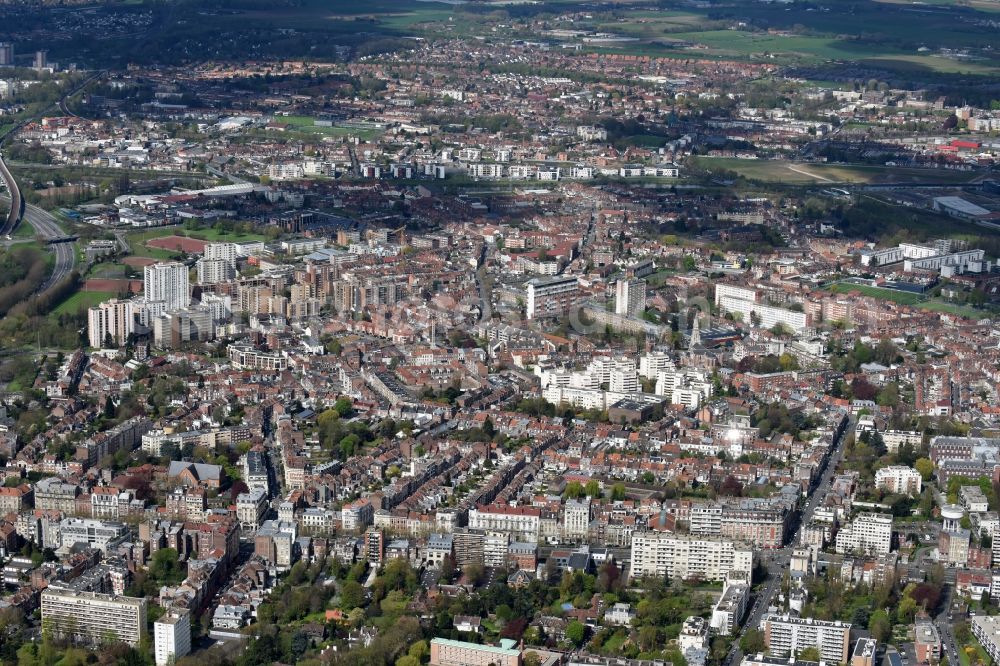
[
  {"x": 137, "y": 239},
  {"x": 82, "y": 300},
  {"x": 214, "y": 234},
  {"x": 906, "y": 298},
  {"x": 106, "y": 270},
  {"x": 307, "y": 132},
  {"x": 955, "y": 309},
  {"x": 901, "y": 297},
  {"x": 809, "y": 173},
  {"x": 24, "y": 230}
]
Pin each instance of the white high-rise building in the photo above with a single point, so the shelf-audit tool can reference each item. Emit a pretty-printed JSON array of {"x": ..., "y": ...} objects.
[
  {"x": 662, "y": 554},
  {"x": 168, "y": 282},
  {"x": 214, "y": 271},
  {"x": 869, "y": 534},
  {"x": 630, "y": 297},
  {"x": 655, "y": 362},
  {"x": 224, "y": 251},
  {"x": 172, "y": 636},
  {"x": 746, "y": 302},
  {"x": 115, "y": 318}
]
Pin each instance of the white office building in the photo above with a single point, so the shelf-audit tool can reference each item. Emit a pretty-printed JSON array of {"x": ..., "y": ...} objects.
[
  {"x": 728, "y": 612},
  {"x": 100, "y": 534},
  {"x": 576, "y": 519}
]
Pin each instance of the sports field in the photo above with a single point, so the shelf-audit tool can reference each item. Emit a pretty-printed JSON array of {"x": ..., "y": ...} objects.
[
  {"x": 921, "y": 301},
  {"x": 901, "y": 297}
]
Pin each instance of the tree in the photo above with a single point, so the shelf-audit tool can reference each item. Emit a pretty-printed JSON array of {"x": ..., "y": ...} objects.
[
  {"x": 448, "y": 569},
  {"x": 419, "y": 650},
  {"x": 810, "y": 653},
  {"x": 593, "y": 488},
  {"x": 531, "y": 658},
  {"x": 731, "y": 487},
  {"x": 618, "y": 492},
  {"x": 925, "y": 467},
  {"x": 475, "y": 574},
  {"x": 407, "y": 660},
  {"x": 166, "y": 568},
  {"x": 576, "y": 632},
  {"x": 648, "y": 638},
  {"x": 788, "y": 362},
  {"x": 352, "y": 595},
  {"x": 753, "y": 642},
  {"x": 880, "y": 626},
  {"x": 574, "y": 490}
]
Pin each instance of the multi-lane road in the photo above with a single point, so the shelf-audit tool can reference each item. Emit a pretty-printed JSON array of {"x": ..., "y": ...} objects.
[
  {"x": 16, "y": 202},
  {"x": 777, "y": 561},
  {"x": 46, "y": 226}
]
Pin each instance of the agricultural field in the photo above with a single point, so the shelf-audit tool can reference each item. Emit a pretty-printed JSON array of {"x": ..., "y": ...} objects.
[{"x": 893, "y": 34}]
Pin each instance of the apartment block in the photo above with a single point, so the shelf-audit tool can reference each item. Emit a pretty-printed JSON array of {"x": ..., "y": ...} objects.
[
  {"x": 551, "y": 298},
  {"x": 868, "y": 534},
  {"x": 785, "y": 635},
  {"x": 521, "y": 523},
  {"x": 94, "y": 618},
  {"x": 899, "y": 479},
  {"x": 728, "y": 612},
  {"x": 172, "y": 636},
  {"x": 167, "y": 282},
  {"x": 112, "y": 321},
  {"x": 630, "y": 297},
  {"x": 681, "y": 556},
  {"x": 446, "y": 652}
]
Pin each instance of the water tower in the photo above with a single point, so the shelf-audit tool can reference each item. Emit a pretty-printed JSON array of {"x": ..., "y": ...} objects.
[{"x": 952, "y": 515}]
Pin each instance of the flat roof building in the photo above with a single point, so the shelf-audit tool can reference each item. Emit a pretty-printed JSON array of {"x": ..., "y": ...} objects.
[
  {"x": 172, "y": 636},
  {"x": 446, "y": 652},
  {"x": 94, "y": 618}
]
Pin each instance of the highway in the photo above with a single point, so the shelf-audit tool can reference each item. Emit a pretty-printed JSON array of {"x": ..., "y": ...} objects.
[
  {"x": 17, "y": 203},
  {"x": 46, "y": 226}
]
